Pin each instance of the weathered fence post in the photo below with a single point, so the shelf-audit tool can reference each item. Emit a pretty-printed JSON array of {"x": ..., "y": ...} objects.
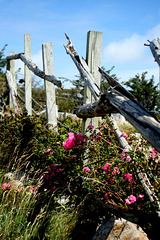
[
  {"x": 13, "y": 92},
  {"x": 11, "y": 68},
  {"x": 93, "y": 59},
  {"x": 51, "y": 107},
  {"x": 27, "y": 75}
]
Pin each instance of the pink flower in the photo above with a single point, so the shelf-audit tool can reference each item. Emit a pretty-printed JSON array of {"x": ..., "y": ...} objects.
[
  {"x": 128, "y": 158},
  {"x": 80, "y": 137},
  {"x": 153, "y": 153},
  {"x": 87, "y": 169},
  {"x": 141, "y": 196},
  {"x": 132, "y": 199},
  {"x": 122, "y": 155},
  {"x": 111, "y": 179},
  {"x": 105, "y": 195},
  {"x": 6, "y": 186},
  {"x": 59, "y": 170},
  {"x": 71, "y": 135},
  {"x": 90, "y": 127},
  {"x": 125, "y": 150},
  {"x": 124, "y": 134},
  {"x": 128, "y": 176},
  {"x": 48, "y": 150},
  {"x": 104, "y": 126},
  {"x": 108, "y": 165},
  {"x": 69, "y": 143},
  {"x": 127, "y": 201}
]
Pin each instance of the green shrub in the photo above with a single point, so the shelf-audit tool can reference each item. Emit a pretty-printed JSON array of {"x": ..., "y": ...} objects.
[{"x": 92, "y": 171}]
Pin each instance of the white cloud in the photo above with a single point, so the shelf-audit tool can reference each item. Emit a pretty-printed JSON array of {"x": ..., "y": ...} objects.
[{"x": 132, "y": 48}]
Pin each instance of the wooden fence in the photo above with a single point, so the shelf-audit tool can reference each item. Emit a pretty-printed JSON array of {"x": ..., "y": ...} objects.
[
  {"x": 93, "y": 57},
  {"x": 115, "y": 99}
]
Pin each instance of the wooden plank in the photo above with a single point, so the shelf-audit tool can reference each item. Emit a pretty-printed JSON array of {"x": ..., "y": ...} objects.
[
  {"x": 93, "y": 60},
  {"x": 51, "y": 108},
  {"x": 27, "y": 75},
  {"x": 11, "y": 68},
  {"x": 137, "y": 116},
  {"x": 13, "y": 92}
]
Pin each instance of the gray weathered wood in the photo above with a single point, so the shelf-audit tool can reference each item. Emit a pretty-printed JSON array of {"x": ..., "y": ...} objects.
[
  {"x": 83, "y": 69},
  {"x": 122, "y": 141},
  {"x": 34, "y": 68},
  {"x": 11, "y": 68},
  {"x": 27, "y": 75},
  {"x": 51, "y": 108},
  {"x": 155, "y": 49},
  {"x": 93, "y": 60},
  {"x": 99, "y": 108},
  {"x": 13, "y": 92},
  {"x": 137, "y": 116}
]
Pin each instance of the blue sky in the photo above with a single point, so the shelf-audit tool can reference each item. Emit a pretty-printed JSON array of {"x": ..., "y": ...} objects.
[{"x": 126, "y": 26}]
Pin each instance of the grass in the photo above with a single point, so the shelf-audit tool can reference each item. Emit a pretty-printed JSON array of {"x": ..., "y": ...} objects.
[
  {"x": 126, "y": 127},
  {"x": 15, "y": 208},
  {"x": 61, "y": 224}
]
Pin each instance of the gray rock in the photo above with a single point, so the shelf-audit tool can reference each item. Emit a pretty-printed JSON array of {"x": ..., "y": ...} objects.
[{"x": 119, "y": 228}]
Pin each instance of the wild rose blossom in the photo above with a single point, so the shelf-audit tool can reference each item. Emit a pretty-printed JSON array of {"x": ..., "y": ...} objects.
[
  {"x": 153, "y": 153},
  {"x": 122, "y": 155},
  {"x": 111, "y": 179},
  {"x": 6, "y": 186},
  {"x": 132, "y": 199},
  {"x": 71, "y": 135},
  {"x": 80, "y": 137},
  {"x": 141, "y": 196},
  {"x": 128, "y": 158},
  {"x": 87, "y": 169},
  {"x": 69, "y": 143},
  {"x": 124, "y": 134},
  {"x": 90, "y": 127},
  {"x": 108, "y": 165},
  {"x": 48, "y": 150},
  {"x": 128, "y": 176},
  {"x": 105, "y": 196}
]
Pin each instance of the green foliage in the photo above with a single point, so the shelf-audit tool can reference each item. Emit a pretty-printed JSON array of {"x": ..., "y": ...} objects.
[
  {"x": 94, "y": 172},
  {"x": 2, "y": 59},
  {"x": 145, "y": 91},
  {"x": 67, "y": 99}
]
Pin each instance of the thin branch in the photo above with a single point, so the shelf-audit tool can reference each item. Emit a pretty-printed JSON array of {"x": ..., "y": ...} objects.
[{"x": 34, "y": 68}]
